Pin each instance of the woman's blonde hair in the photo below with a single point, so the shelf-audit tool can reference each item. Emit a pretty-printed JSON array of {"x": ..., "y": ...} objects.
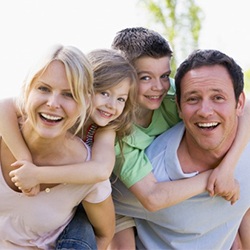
[{"x": 79, "y": 74}]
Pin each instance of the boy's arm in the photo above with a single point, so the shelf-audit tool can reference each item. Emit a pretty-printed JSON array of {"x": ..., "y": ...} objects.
[
  {"x": 99, "y": 168},
  {"x": 221, "y": 181},
  {"x": 102, "y": 218},
  {"x": 156, "y": 195},
  {"x": 10, "y": 131}
]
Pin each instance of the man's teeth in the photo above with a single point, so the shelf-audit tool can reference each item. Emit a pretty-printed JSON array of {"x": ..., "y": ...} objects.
[
  {"x": 208, "y": 125},
  {"x": 51, "y": 117}
]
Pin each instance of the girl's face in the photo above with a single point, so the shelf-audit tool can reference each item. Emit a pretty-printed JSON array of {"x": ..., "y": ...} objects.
[
  {"x": 109, "y": 104},
  {"x": 51, "y": 108},
  {"x": 153, "y": 74}
]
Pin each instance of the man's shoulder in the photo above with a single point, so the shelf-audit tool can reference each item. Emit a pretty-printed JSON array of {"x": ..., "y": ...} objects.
[
  {"x": 169, "y": 139},
  {"x": 170, "y": 134}
]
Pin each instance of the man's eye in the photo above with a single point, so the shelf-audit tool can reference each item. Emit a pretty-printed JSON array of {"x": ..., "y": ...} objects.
[
  {"x": 192, "y": 99},
  {"x": 218, "y": 98}
]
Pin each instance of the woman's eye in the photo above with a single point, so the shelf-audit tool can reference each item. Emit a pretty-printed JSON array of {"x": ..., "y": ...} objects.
[
  {"x": 43, "y": 88},
  {"x": 68, "y": 94}
]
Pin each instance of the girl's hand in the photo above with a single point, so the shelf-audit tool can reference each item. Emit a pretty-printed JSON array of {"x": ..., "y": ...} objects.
[
  {"x": 32, "y": 191},
  {"x": 24, "y": 177}
]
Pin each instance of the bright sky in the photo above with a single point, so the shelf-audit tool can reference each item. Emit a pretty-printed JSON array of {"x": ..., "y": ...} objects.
[{"x": 29, "y": 27}]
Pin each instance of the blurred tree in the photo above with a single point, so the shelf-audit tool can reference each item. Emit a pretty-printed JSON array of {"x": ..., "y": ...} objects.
[
  {"x": 180, "y": 22},
  {"x": 247, "y": 82}
]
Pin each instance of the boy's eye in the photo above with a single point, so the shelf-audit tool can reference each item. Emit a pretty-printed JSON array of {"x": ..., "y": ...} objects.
[{"x": 165, "y": 76}]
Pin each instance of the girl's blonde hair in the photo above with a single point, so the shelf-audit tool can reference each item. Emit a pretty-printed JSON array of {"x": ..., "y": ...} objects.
[
  {"x": 110, "y": 67},
  {"x": 79, "y": 74}
]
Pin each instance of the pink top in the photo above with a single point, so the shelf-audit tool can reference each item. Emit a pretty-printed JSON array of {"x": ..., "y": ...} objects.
[{"x": 36, "y": 222}]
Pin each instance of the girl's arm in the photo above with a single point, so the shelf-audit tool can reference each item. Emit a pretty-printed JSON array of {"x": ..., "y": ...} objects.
[
  {"x": 221, "y": 182},
  {"x": 99, "y": 168},
  {"x": 10, "y": 131},
  {"x": 102, "y": 218}
]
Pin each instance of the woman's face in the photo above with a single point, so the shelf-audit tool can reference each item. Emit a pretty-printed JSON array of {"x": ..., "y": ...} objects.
[{"x": 51, "y": 109}]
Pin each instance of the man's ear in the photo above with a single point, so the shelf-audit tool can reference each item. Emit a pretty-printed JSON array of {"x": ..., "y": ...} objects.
[
  {"x": 179, "y": 109},
  {"x": 241, "y": 104}
]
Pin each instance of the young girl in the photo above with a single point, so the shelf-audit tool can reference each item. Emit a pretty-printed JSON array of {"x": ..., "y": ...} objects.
[
  {"x": 54, "y": 105},
  {"x": 111, "y": 117}
]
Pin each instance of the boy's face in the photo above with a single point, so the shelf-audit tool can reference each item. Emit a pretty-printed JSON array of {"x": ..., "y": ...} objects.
[{"x": 153, "y": 74}]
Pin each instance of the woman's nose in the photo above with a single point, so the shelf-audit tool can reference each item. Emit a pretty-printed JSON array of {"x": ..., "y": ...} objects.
[{"x": 53, "y": 101}]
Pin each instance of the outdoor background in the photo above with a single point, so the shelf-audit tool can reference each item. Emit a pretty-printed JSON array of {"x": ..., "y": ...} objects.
[{"x": 29, "y": 27}]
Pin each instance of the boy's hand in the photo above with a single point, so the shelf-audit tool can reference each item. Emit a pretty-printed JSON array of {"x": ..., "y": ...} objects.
[
  {"x": 24, "y": 177},
  {"x": 223, "y": 183}
]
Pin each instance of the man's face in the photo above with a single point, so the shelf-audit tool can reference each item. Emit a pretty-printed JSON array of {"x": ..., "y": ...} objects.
[{"x": 208, "y": 108}]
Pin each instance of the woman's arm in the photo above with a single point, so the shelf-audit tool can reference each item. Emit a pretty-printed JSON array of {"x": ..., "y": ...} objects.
[
  {"x": 10, "y": 131},
  {"x": 221, "y": 182},
  {"x": 102, "y": 218},
  {"x": 99, "y": 168}
]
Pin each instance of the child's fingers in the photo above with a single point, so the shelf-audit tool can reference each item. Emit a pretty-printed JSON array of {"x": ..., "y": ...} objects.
[
  {"x": 211, "y": 186},
  {"x": 32, "y": 191}
]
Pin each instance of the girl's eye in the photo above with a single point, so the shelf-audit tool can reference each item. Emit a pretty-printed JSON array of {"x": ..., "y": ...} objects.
[
  {"x": 105, "y": 93},
  {"x": 121, "y": 99},
  {"x": 145, "y": 78}
]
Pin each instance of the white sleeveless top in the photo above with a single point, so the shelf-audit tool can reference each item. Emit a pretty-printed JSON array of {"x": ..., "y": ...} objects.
[{"x": 36, "y": 222}]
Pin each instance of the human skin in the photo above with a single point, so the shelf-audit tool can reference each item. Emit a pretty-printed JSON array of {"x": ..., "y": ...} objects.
[{"x": 210, "y": 113}]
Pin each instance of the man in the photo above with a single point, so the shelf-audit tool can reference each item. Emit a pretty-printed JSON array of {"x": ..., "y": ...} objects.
[{"x": 210, "y": 98}]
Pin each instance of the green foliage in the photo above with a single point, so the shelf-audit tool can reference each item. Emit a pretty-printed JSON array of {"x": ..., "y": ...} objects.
[
  {"x": 247, "y": 82},
  {"x": 180, "y": 22}
]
